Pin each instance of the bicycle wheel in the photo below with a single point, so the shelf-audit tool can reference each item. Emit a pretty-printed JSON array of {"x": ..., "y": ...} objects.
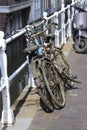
[
  {"x": 46, "y": 102},
  {"x": 63, "y": 67},
  {"x": 56, "y": 86}
]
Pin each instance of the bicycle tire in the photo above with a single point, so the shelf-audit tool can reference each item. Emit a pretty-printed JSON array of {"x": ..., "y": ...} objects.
[
  {"x": 42, "y": 91},
  {"x": 58, "y": 103},
  {"x": 44, "y": 103}
]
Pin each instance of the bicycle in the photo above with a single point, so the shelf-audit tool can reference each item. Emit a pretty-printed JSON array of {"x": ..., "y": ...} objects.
[
  {"x": 45, "y": 67},
  {"x": 63, "y": 67},
  {"x": 48, "y": 68}
]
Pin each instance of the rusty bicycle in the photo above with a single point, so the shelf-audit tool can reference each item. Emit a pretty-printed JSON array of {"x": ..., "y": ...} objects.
[{"x": 49, "y": 78}]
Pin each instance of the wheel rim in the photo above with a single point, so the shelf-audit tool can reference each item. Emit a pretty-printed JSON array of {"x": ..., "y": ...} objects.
[{"x": 81, "y": 44}]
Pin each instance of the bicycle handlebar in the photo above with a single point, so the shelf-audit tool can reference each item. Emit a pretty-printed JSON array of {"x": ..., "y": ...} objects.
[
  {"x": 35, "y": 47},
  {"x": 29, "y": 27}
]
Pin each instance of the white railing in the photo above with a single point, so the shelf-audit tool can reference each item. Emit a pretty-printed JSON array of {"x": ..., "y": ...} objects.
[{"x": 65, "y": 30}]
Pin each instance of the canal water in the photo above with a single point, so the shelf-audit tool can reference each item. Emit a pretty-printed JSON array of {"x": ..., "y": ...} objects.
[{"x": 16, "y": 57}]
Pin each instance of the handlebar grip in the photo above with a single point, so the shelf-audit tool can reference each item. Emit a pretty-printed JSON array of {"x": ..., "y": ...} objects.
[{"x": 30, "y": 49}]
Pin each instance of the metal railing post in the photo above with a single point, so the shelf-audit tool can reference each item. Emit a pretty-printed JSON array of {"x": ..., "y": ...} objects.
[
  {"x": 31, "y": 78},
  {"x": 63, "y": 37},
  {"x": 72, "y": 9},
  {"x": 56, "y": 33},
  {"x": 7, "y": 113},
  {"x": 46, "y": 22},
  {"x": 69, "y": 23}
]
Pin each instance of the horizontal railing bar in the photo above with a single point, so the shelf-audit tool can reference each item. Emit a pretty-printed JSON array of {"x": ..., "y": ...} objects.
[
  {"x": 38, "y": 24},
  {"x": 18, "y": 70},
  {"x": 14, "y": 74},
  {"x": 22, "y": 31}
]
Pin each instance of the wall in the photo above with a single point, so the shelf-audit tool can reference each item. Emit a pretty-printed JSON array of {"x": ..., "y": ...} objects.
[
  {"x": 3, "y": 19},
  {"x": 6, "y": 2}
]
